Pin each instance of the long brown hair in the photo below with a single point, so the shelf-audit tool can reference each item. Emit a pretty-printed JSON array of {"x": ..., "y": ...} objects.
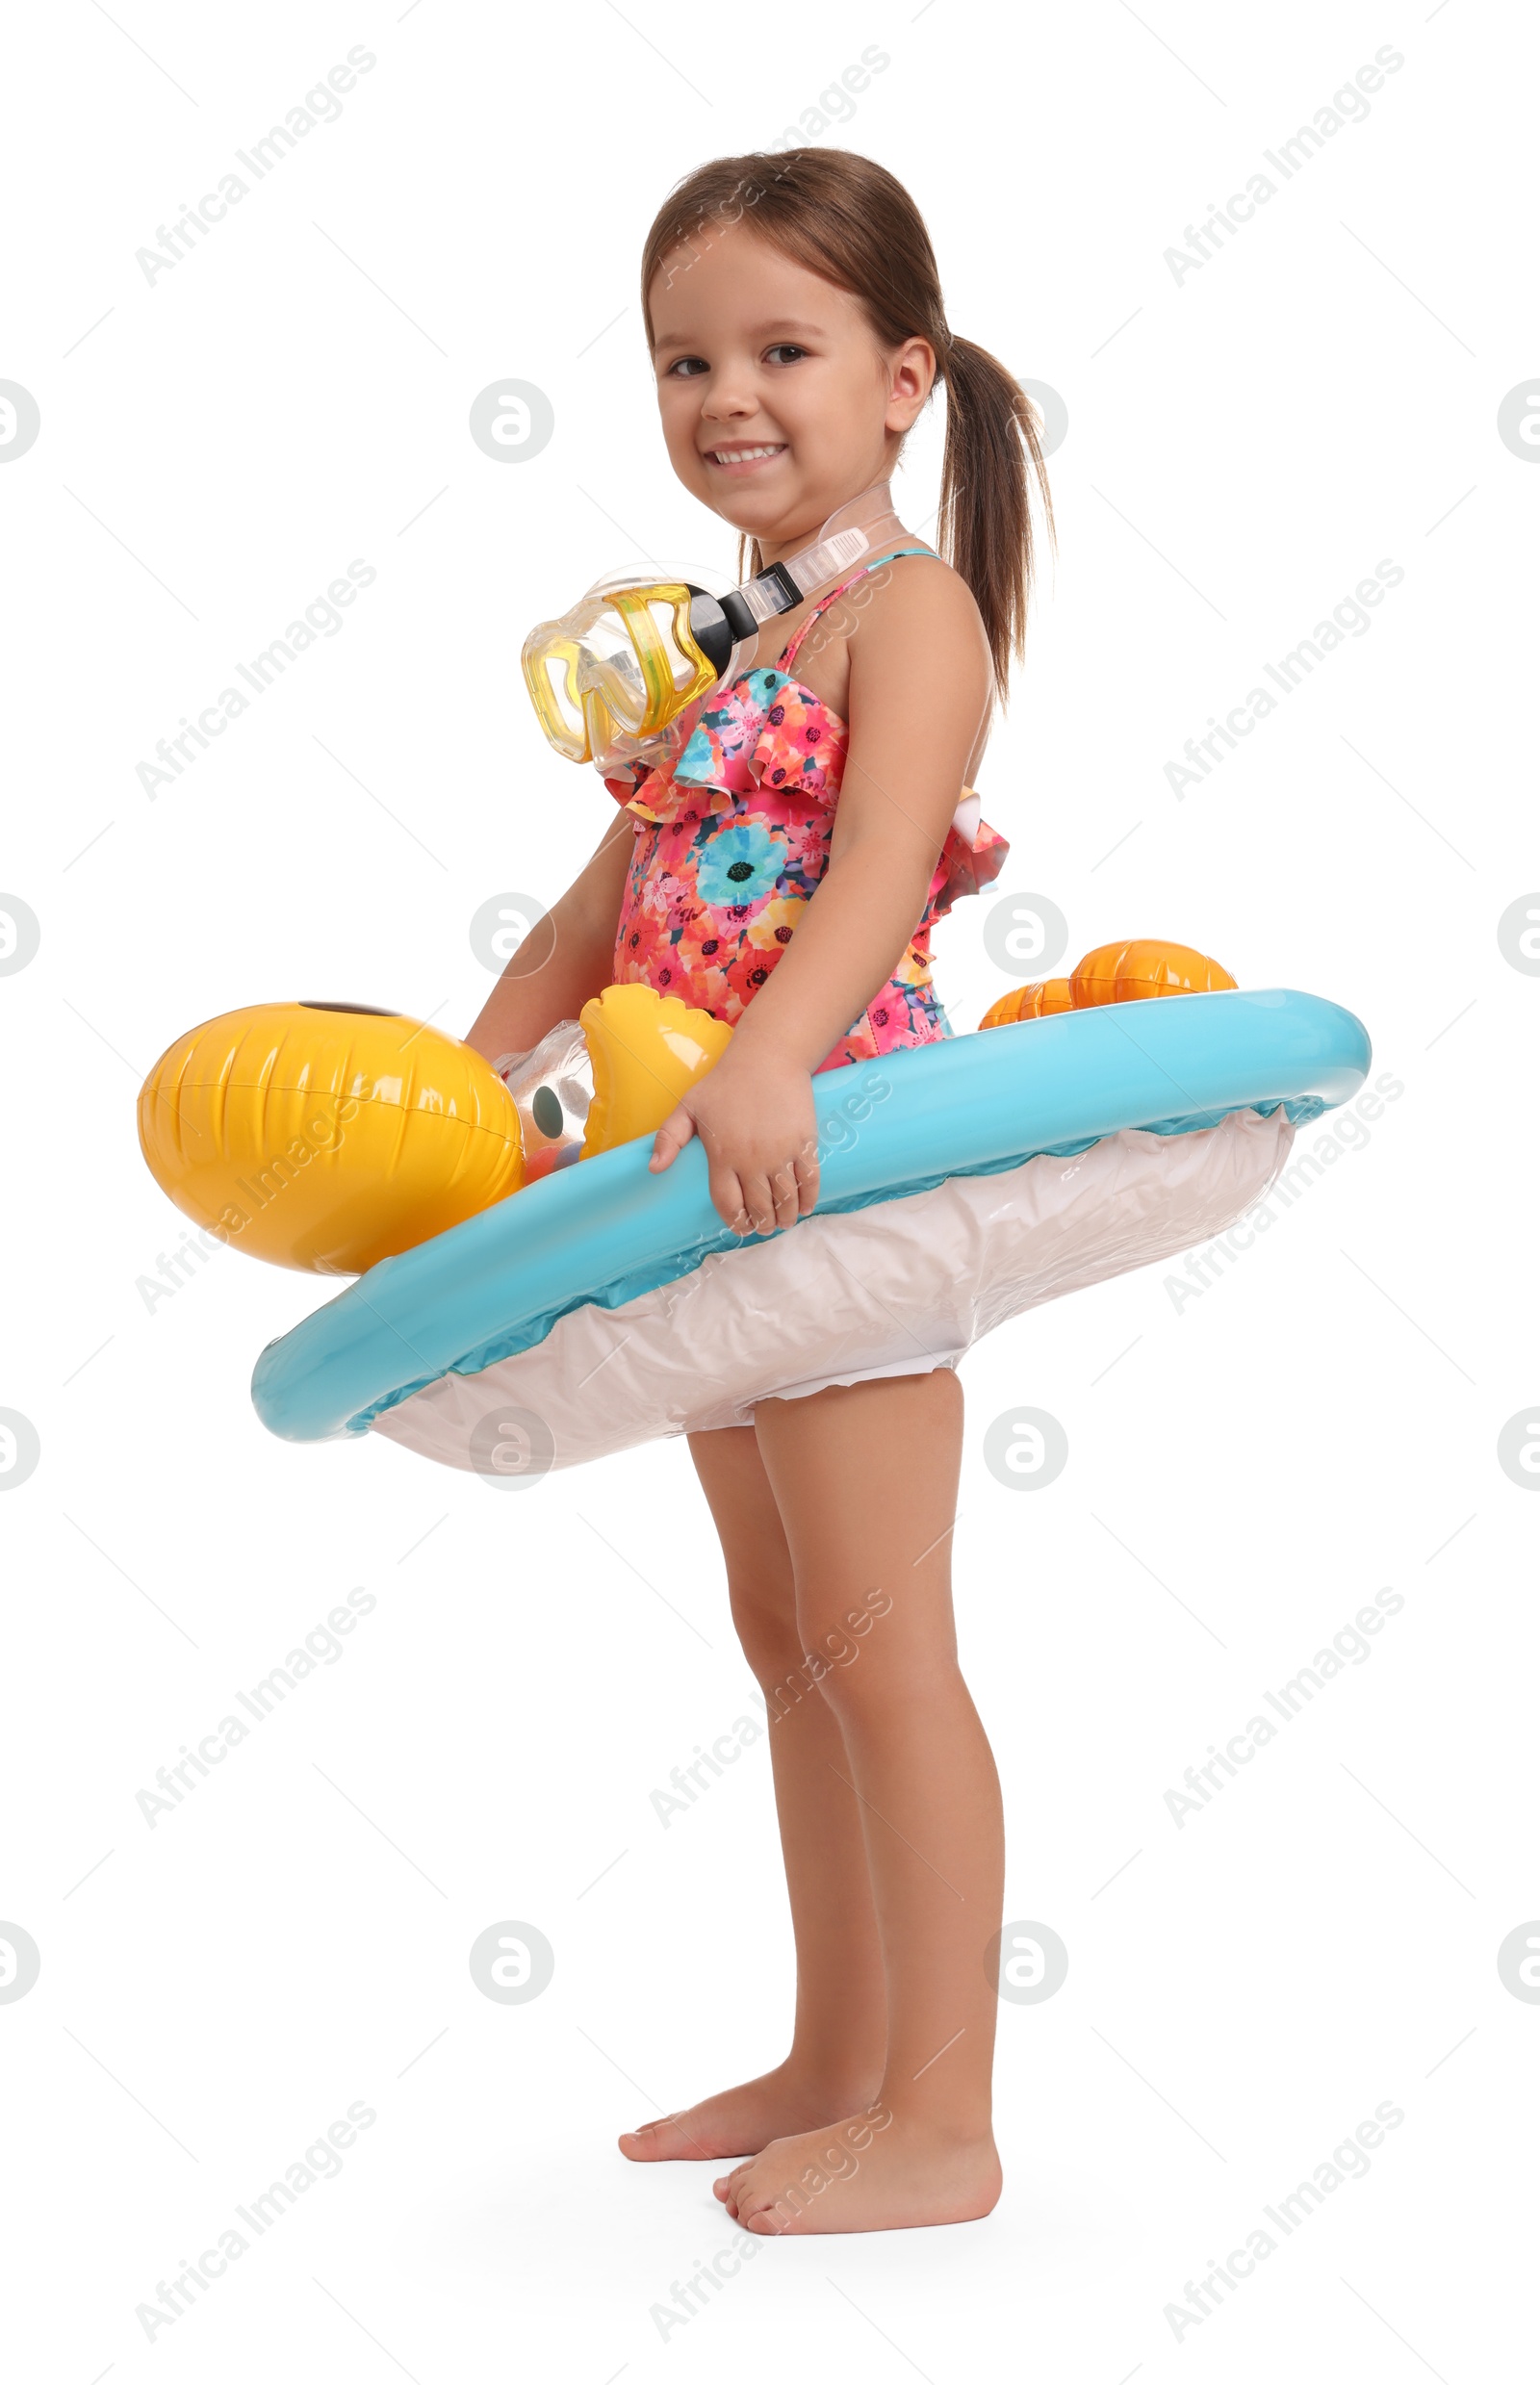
[{"x": 850, "y": 220}]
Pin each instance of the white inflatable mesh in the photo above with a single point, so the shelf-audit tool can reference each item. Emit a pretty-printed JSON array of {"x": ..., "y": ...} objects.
[{"x": 896, "y": 1289}]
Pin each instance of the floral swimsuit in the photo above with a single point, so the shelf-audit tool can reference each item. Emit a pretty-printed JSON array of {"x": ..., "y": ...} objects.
[{"x": 732, "y": 838}]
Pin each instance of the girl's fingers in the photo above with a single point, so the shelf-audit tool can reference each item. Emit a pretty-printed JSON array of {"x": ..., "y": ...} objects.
[
  {"x": 760, "y": 1203},
  {"x": 787, "y": 1194},
  {"x": 671, "y": 1138},
  {"x": 726, "y": 1198},
  {"x": 767, "y": 1204}
]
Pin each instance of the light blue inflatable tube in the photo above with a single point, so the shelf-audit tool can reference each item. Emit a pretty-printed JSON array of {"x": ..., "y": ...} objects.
[{"x": 607, "y": 1230}]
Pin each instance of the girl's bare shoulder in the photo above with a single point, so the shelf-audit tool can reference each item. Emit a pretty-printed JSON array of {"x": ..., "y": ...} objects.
[{"x": 920, "y": 604}]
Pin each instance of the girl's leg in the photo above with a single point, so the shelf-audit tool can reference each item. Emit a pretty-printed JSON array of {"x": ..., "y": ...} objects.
[
  {"x": 865, "y": 1483},
  {"x": 839, "y": 2033}
]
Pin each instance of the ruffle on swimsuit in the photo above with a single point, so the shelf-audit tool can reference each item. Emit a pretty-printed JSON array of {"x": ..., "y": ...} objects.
[{"x": 732, "y": 840}]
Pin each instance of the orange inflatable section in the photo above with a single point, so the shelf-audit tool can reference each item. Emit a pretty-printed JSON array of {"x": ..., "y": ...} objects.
[
  {"x": 1130, "y": 972},
  {"x": 1040, "y": 1001}
]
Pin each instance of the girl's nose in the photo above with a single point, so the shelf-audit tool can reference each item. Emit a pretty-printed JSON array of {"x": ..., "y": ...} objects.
[{"x": 729, "y": 399}]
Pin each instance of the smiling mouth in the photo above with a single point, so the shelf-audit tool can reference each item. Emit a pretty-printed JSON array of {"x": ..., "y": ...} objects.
[{"x": 729, "y": 458}]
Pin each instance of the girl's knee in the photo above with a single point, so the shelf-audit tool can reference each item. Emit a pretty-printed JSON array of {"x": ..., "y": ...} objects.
[
  {"x": 791, "y": 1664},
  {"x": 864, "y": 1658},
  {"x": 835, "y": 1627},
  {"x": 764, "y": 1617},
  {"x": 843, "y": 1682}
]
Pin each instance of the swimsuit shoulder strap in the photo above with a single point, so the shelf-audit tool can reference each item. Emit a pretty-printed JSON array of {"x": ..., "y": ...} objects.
[{"x": 834, "y": 594}]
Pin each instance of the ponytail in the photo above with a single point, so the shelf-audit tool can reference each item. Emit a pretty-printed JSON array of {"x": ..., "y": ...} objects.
[
  {"x": 986, "y": 513},
  {"x": 852, "y": 221}
]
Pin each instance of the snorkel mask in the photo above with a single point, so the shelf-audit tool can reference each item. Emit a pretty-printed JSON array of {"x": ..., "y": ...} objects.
[{"x": 613, "y": 681}]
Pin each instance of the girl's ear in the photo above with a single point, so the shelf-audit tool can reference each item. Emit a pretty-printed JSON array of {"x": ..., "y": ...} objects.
[{"x": 912, "y": 376}]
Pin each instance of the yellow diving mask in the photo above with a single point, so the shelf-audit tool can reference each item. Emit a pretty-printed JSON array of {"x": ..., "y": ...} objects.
[{"x": 614, "y": 677}]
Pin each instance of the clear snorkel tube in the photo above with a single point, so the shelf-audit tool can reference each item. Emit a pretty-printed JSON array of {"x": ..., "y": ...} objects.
[{"x": 613, "y": 680}]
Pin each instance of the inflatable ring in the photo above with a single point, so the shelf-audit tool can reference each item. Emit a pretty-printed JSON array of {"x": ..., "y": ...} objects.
[{"x": 604, "y": 1306}]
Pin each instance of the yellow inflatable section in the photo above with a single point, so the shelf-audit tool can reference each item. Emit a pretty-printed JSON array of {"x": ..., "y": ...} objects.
[
  {"x": 646, "y": 1050},
  {"x": 322, "y": 1136}
]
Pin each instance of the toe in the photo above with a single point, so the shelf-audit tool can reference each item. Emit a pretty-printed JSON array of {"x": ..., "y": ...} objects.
[{"x": 646, "y": 2143}]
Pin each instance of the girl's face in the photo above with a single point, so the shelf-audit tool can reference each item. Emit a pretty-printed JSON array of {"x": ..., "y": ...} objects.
[{"x": 777, "y": 404}]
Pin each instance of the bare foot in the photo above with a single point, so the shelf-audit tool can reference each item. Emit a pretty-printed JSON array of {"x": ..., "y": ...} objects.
[
  {"x": 872, "y": 2171},
  {"x": 741, "y": 2120}
]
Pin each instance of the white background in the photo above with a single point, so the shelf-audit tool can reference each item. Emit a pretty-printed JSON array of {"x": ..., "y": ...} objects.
[{"x": 1246, "y": 1471}]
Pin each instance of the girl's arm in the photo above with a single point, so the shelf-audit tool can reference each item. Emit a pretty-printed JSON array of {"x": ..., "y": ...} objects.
[
  {"x": 920, "y": 696},
  {"x": 568, "y": 957}
]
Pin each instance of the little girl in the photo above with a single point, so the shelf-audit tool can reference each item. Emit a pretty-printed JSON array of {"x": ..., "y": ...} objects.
[{"x": 784, "y": 873}]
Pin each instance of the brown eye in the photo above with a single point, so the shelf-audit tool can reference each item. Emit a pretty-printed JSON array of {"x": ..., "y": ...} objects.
[{"x": 786, "y": 351}]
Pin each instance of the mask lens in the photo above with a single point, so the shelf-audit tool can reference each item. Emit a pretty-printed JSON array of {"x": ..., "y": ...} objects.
[
  {"x": 608, "y": 673},
  {"x": 619, "y": 668}
]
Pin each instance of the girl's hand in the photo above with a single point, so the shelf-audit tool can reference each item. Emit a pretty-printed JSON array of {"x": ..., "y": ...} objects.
[{"x": 761, "y": 1133}]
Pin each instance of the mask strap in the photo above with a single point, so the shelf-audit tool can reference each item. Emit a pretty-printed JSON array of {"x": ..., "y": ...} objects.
[{"x": 784, "y": 586}]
